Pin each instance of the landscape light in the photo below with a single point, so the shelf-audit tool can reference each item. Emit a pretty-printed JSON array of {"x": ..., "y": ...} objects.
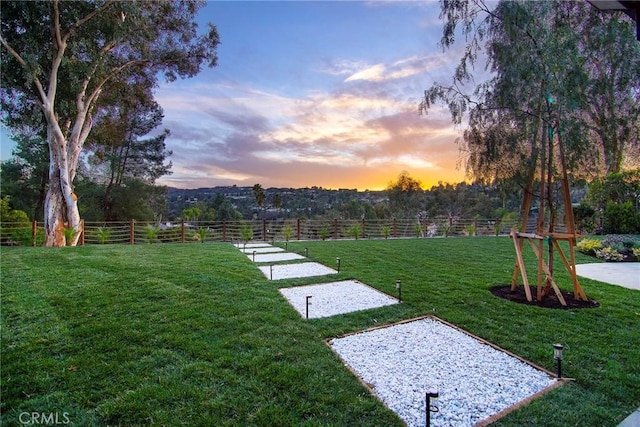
[
  {"x": 308, "y": 304},
  {"x": 399, "y": 288},
  {"x": 431, "y": 394},
  {"x": 557, "y": 354},
  {"x": 254, "y": 256},
  {"x": 306, "y": 252},
  {"x": 338, "y": 262}
]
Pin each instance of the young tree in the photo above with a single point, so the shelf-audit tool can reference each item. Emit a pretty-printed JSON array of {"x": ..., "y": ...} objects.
[{"x": 64, "y": 71}]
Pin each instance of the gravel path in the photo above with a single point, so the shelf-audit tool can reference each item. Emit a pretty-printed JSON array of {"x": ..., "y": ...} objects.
[
  {"x": 474, "y": 380},
  {"x": 262, "y": 249},
  {"x": 334, "y": 298},
  {"x": 274, "y": 257},
  {"x": 291, "y": 271}
]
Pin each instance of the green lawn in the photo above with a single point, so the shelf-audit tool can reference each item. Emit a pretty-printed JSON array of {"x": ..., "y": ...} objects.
[{"x": 193, "y": 334}]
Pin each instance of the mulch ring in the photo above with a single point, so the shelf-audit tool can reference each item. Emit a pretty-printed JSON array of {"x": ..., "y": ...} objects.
[{"x": 550, "y": 301}]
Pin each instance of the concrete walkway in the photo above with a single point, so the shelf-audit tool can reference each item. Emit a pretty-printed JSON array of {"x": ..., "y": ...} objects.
[{"x": 625, "y": 274}]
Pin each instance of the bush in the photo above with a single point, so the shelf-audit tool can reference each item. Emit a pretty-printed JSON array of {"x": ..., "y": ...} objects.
[
  {"x": 620, "y": 218},
  {"x": 625, "y": 241},
  {"x": 589, "y": 246},
  {"x": 609, "y": 254},
  {"x": 585, "y": 217}
]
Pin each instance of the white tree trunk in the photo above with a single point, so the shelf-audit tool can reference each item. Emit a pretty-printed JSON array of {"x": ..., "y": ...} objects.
[{"x": 61, "y": 206}]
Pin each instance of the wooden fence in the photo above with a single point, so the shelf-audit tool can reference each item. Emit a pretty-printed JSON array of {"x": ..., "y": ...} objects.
[{"x": 138, "y": 232}]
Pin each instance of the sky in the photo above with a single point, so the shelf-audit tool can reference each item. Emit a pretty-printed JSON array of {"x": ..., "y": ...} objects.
[{"x": 313, "y": 94}]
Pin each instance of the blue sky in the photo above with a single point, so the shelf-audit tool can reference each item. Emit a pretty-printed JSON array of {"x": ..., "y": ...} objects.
[{"x": 313, "y": 93}]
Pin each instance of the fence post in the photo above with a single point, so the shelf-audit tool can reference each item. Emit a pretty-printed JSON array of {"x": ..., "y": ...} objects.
[
  {"x": 132, "y": 232},
  {"x": 224, "y": 231},
  {"x": 335, "y": 228},
  {"x": 298, "y": 225},
  {"x": 182, "y": 231},
  {"x": 364, "y": 229},
  {"x": 34, "y": 233},
  {"x": 395, "y": 227},
  {"x": 82, "y": 232},
  {"x": 264, "y": 229}
]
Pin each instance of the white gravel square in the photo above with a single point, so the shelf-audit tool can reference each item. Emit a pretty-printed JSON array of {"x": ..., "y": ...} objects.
[
  {"x": 274, "y": 257},
  {"x": 251, "y": 245},
  {"x": 262, "y": 250},
  {"x": 292, "y": 271},
  {"x": 334, "y": 298},
  {"x": 474, "y": 380}
]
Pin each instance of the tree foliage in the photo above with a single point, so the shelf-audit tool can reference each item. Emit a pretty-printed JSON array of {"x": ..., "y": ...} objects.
[
  {"x": 560, "y": 66},
  {"x": 405, "y": 196},
  {"x": 60, "y": 57}
]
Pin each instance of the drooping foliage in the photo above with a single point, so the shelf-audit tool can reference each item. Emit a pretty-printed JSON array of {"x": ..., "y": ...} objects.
[{"x": 561, "y": 67}]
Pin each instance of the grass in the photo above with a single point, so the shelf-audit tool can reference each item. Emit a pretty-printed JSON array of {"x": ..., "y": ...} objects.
[{"x": 195, "y": 334}]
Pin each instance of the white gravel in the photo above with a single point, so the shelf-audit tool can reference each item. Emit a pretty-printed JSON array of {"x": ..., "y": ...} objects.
[
  {"x": 251, "y": 245},
  {"x": 334, "y": 298},
  {"x": 474, "y": 380},
  {"x": 275, "y": 257},
  {"x": 262, "y": 250},
  {"x": 291, "y": 271}
]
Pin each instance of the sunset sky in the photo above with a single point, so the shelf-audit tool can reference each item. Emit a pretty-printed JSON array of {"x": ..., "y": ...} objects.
[{"x": 314, "y": 94}]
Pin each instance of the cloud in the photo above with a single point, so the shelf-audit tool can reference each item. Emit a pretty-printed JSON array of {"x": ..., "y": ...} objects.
[{"x": 360, "y": 132}]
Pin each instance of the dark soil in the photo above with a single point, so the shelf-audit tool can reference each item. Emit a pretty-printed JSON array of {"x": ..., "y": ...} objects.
[{"x": 550, "y": 301}]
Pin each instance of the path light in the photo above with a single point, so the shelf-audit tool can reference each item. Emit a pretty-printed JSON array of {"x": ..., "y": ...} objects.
[
  {"x": 306, "y": 252},
  {"x": 308, "y": 304},
  {"x": 557, "y": 354},
  {"x": 338, "y": 262},
  {"x": 431, "y": 394},
  {"x": 399, "y": 288},
  {"x": 271, "y": 271},
  {"x": 254, "y": 256},
  {"x": 285, "y": 245}
]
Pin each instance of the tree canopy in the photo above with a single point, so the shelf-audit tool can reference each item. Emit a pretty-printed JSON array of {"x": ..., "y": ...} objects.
[
  {"x": 60, "y": 57},
  {"x": 555, "y": 65}
]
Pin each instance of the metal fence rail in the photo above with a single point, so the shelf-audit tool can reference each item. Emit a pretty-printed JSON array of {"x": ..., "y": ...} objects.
[{"x": 139, "y": 232}]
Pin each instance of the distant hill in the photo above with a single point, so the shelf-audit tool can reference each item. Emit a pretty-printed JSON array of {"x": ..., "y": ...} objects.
[{"x": 296, "y": 202}]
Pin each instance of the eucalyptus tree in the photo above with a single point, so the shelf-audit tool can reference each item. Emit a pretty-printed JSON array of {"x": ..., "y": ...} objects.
[{"x": 59, "y": 57}]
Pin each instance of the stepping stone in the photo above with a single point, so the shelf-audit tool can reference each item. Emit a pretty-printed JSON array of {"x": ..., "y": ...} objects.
[
  {"x": 292, "y": 271},
  {"x": 262, "y": 249},
  {"x": 251, "y": 245},
  {"x": 475, "y": 381},
  {"x": 274, "y": 257},
  {"x": 330, "y": 299}
]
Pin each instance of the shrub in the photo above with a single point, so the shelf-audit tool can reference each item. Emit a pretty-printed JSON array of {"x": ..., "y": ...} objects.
[
  {"x": 103, "y": 235},
  {"x": 585, "y": 217},
  {"x": 324, "y": 232},
  {"x": 287, "y": 232},
  {"x": 609, "y": 254},
  {"x": 386, "y": 231},
  {"x": 152, "y": 232},
  {"x": 620, "y": 240},
  {"x": 589, "y": 246},
  {"x": 355, "y": 231},
  {"x": 200, "y": 235},
  {"x": 620, "y": 218},
  {"x": 636, "y": 252}
]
